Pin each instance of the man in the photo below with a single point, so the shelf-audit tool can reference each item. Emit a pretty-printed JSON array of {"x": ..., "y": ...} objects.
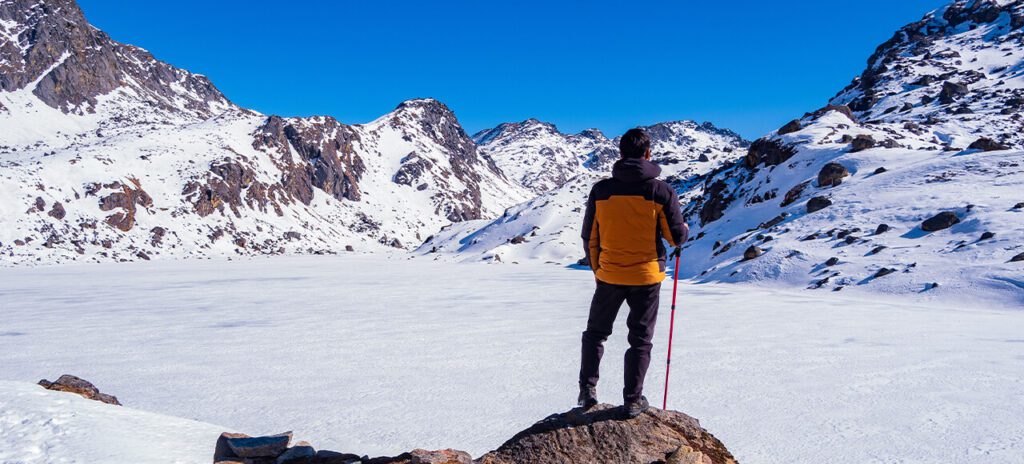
[{"x": 627, "y": 216}]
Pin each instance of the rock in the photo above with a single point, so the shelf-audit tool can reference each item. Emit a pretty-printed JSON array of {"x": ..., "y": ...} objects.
[
  {"x": 1019, "y": 205},
  {"x": 862, "y": 142},
  {"x": 817, "y": 204},
  {"x": 157, "y": 235},
  {"x": 987, "y": 235},
  {"x": 987, "y": 144},
  {"x": 222, "y": 452},
  {"x": 882, "y": 228},
  {"x": 768, "y": 151},
  {"x": 790, "y": 127},
  {"x": 72, "y": 384},
  {"x": 57, "y": 211},
  {"x": 842, "y": 109},
  {"x": 292, "y": 235},
  {"x": 951, "y": 92},
  {"x": 774, "y": 221},
  {"x": 1019, "y": 257},
  {"x": 832, "y": 174},
  {"x": 832, "y": 261},
  {"x": 301, "y": 452},
  {"x": 880, "y": 170},
  {"x": 884, "y": 272},
  {"x": 518, "y": 239},
  {"x": 349, "y": 248},
  {"x": 332, "y": 457},
  {"x": 717, "y": 244},
  {"x": 851, "y": 239},
  {"x": 752, "y": 252},
  {"x": 420, "y": 456},
  {"x": 703, "y": 158},
  {"x": 718, "y": 199},
  {"x": 270, "y": 446},
  {"x": 877, "y": 249},
  {"x": 40, "y": 204},
  {"x": 794, "y": 193},
  {"x": 601, "y": 436},
  {"x": 943, "y": 220}
]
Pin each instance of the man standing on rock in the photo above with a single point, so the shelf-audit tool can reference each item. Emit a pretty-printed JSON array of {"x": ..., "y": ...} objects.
[{"x": 626, "y": 218}]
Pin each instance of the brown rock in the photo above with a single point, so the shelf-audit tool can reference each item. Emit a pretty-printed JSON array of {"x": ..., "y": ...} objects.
[
  {"x": 790, "y": 127},
  {"x": 862, "y": 142},
  {"x": 57, "y": 211},
  {"x": 79, "y": 386},
  {"x": 752, "y": 252},
  {"x": 987, "y": 144},
  {"x": 832, "y": 174},
  {"x": 768, "y": 151},
  {"x": 817, "y": 204},
  {"x": 421, "y": 456},
  {"x": 794, "y": 193},
  {"x": 601, "y": 436}
]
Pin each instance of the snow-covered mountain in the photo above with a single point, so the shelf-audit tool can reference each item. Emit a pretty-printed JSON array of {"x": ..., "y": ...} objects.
[
  {"x": 840, "y": 197},
  {"x": 541, "y": 158},
  {"x": 547, "y": 227},
  {"x": 109, "y": 154}
]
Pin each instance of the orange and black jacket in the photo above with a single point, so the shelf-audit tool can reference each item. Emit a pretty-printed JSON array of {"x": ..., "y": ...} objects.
[{"x": 626, "y": 218}]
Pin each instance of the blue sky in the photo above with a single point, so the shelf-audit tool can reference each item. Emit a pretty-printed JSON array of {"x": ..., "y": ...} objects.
[{"x": 746, "y": 65}]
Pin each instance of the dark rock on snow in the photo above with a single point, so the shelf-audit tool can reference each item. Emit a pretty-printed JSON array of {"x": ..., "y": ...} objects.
[
  {"x": 72, "y": 384},
  {"x": 882, "y": 228},
  {"x": 943, "y": 220},
  {"x": 752, "y": 252},
  {"x": 832, "y": 261},
  {"x": 862, "y": 142},
  {"x": 768, "y": 151},
  {"x": 884, "y": 272},
  {"x": 1018, "y": 258},
  {"x": 832, "y": 174},
  {"x": 987, "y": 235},
  {"x": 987, "y": 144},
  {"x": 880, "y": 170},
  {"x": 790, "y": 127},
  {"x": 259, "y": 447},
  {"x": 817, "y": 204}
]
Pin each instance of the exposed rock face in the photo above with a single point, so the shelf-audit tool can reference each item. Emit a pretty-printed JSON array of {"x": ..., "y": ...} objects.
[
  {"x": 79, "y": 386},
  {"x": 600, "y": 436},
  {"x": 771, "y": 152},
  {"x": 125, "y": 198},
  {"x": 84, "y": 63},
  {"x": 943, "y": 220}
]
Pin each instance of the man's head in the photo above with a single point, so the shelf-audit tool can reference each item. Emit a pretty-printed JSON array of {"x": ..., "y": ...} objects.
[{"x": 635, "y": 144}]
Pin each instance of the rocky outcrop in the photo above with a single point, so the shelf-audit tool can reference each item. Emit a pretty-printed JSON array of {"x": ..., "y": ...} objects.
[
  {"x": 943, "y": 220},
  {"x": 598, "y": 435},
  {"x": 771, "y": 152},
  {"x": 832, "y": 174},
  {"x": 72, "y": 384},
  {"x": 126, "y": 198}
]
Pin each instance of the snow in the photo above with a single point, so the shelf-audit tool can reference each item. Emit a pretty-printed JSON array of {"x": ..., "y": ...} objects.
[
  {"x": 42, "y": 426},
  {"x": 379, "y": 355}
]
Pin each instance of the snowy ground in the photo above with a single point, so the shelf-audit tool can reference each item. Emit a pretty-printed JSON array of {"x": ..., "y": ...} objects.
[{"x": 380, "y": 355}]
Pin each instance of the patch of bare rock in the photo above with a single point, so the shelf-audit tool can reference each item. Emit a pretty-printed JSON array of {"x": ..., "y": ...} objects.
[
  {"x": 79, "y": 386},
  {"x": 599, "y": 435}
]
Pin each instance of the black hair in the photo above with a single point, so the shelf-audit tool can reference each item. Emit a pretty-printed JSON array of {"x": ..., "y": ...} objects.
[{"x": 634, "y": 143}]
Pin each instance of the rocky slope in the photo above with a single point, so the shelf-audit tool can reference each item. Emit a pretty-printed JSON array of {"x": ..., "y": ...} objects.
[
  {"x": 844, "y": 197},
  {"x": 110, "y": 154}
]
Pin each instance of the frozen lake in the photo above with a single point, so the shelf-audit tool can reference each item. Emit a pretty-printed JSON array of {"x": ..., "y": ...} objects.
[{"x": 380, "y": 355}]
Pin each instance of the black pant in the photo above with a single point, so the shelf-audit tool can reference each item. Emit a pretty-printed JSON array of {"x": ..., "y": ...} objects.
[{"x": 643, "y": 313}]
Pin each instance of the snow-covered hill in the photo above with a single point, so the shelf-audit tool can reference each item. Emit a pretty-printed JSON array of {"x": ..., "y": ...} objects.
[
  {"x": 108, "y": 154},
  {"x": 912, "y": 147}
]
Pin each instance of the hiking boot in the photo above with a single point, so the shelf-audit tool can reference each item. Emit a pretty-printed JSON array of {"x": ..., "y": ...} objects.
[
  {"x": 635, "y": 408},
  {"x": 587, "y": 398}
]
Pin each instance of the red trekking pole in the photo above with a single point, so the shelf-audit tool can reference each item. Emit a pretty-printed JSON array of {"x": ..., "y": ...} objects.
[{"x": 671, "y": 325}]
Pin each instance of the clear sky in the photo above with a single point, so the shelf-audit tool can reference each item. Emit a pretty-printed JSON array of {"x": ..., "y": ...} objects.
[{"x": 748, "y": 65}]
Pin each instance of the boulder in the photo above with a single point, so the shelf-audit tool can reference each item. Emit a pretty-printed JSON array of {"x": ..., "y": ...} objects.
[
  {"x": 817, "y": 204},
  {"x": 270, "y": 446},
  {"x": 882, "y": 228},
  {"x": 987, "y": 235},
  {"x": 884, "y": 272},
  {"x": 880, "y": 170},
  {"x": 600, "y": 435},
  {"x": 300, "y": 453},
  {"x": 832, "y": 174},
  {"x": 57, "y": 211},
  {"x": 832, "y": 261},
  {"x": 862, "y": 142},
  {"x": 943, "y": 220},
  {"x": 1017, "y": 258},
  {"x": 951, "y": 92},
  {"x": 349, "y": 248},
  {"x": 752, "y": 252},
  {"x": 987, "y": 144},
  {"x": 72, "y": 384},
  {"x": 421, "y": 456},
  {"x": 768, "y": 151},
  {"x": 794, "y": 193},
  {"x": 878, "y": 249},
  {"x": 517, "y": 239},
  {"x": 1019, "y": 205}
]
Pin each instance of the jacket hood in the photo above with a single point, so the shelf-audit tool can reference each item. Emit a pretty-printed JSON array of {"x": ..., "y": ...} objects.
[{"x": 635, "y": 170}]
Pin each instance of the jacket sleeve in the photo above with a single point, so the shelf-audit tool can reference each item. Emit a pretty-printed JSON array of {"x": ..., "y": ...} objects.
[
  {"x": 591, "y": 241},
  {"x": 673, "y": 227}
]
